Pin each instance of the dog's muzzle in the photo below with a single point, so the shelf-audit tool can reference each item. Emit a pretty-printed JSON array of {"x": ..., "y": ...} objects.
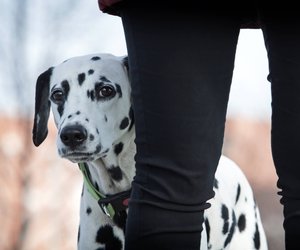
[{"x": 73, "y": 144}]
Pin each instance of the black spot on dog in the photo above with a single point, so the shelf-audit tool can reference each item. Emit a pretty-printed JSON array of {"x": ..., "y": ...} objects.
[
  {"x": 105, "y": 118},
  {"x": 81, "y": 78},
  {"x": 69, "y": 116},
  {"x": 88, "y": 211},
  {"x": 118, "y": 148},
  {"x": 216, "y": 184},
  {"x": 97, "y": 131},
  {"x": 78, "y": 113},
  {"x": 92, "y": 137},
  {"x": 124, "y": 123},
  {"x": 238, "y": 193},
  {"x": 66, "y": 88},
  {"x": 256, "y": 237},
  {"x": 231, "y": 231},
  {"x": 115, "y": 173},
  {"x": 87, "y": 120},
  {"x": 91, "y": 71},
  {"x": 207, "y": 226},
  {"x": 104, "y": 79},
  {"x": 255, "y": 208},
  {"x": 60, "y": 109},
  {"x": 96, "y": 58},
  {"x": 242, "y": 222},
  {"x": 105, "y": 235},
  {"x": 98, "y": 149},
  {"x": 119, "y": 90},
  {"x": 91, "y": 94},
  {"x": 225, "y": 217}
]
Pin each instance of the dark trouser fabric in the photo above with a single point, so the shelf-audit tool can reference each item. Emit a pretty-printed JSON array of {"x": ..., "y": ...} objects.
[
  {"x": 181, "y": 66},
  {"x": 282, "y": 38}
]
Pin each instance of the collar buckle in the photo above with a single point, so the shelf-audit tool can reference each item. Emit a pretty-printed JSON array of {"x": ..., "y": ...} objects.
[{"x": 104, "y": 209}]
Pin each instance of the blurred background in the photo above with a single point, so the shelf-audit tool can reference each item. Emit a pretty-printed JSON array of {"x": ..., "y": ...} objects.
[{"x": 39, "y": 192}]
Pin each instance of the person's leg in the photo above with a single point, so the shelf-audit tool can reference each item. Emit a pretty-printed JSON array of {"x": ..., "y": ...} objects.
[
  {"x": 282, "y": 37},
  {"x": 181, "y": 68}
]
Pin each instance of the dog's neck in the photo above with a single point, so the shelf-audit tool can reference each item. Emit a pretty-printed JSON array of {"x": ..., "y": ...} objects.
[{"x": 114, "y": 172}]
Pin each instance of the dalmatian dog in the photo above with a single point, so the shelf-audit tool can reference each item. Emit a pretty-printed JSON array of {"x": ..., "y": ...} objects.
[{"x": 91, "y": 105}]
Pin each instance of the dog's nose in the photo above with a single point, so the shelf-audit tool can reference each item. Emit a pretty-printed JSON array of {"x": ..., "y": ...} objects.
[{"x": 73, "y": 135}]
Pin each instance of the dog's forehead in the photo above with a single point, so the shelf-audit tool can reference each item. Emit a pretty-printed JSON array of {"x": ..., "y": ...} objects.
[{"x": 89, "y": 69}]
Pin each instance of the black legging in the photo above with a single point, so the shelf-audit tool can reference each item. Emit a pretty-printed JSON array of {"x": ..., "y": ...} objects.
[{"x": 181, "y": 66}]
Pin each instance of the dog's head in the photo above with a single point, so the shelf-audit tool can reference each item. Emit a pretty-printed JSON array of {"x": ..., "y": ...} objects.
[{"x": 90, "y": 100}]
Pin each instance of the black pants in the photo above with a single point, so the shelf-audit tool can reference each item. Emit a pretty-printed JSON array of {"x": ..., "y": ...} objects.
[{"x": 181, "y": 65}]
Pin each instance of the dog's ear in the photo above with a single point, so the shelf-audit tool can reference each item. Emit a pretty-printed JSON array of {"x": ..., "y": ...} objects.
[
  {"x": 125, "y": 62},
  {"x": 42, "y": 108}
]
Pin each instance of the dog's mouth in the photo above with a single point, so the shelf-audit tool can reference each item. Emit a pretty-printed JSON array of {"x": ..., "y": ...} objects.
[{"x": 77, "y": 156}]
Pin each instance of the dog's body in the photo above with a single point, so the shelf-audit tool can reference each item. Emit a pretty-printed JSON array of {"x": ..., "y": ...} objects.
[{"x": 90, "y": 98}]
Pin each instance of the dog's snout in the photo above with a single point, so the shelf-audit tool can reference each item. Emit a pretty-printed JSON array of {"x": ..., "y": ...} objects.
[{"x": 73, "y": 135}]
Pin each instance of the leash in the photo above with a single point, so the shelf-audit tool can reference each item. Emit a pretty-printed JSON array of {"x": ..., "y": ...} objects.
[{"x": 111, "y": 205}]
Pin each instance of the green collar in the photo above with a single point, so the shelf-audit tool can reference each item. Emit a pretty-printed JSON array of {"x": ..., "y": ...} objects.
[
  {"x": 111, "y": 205},
  {"x": 108, "y": 208}
]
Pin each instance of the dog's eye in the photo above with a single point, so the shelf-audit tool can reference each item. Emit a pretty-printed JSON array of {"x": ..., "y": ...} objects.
[
  {"x": 106, "y": 91},
  {"x": 57, "y": 96}
]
